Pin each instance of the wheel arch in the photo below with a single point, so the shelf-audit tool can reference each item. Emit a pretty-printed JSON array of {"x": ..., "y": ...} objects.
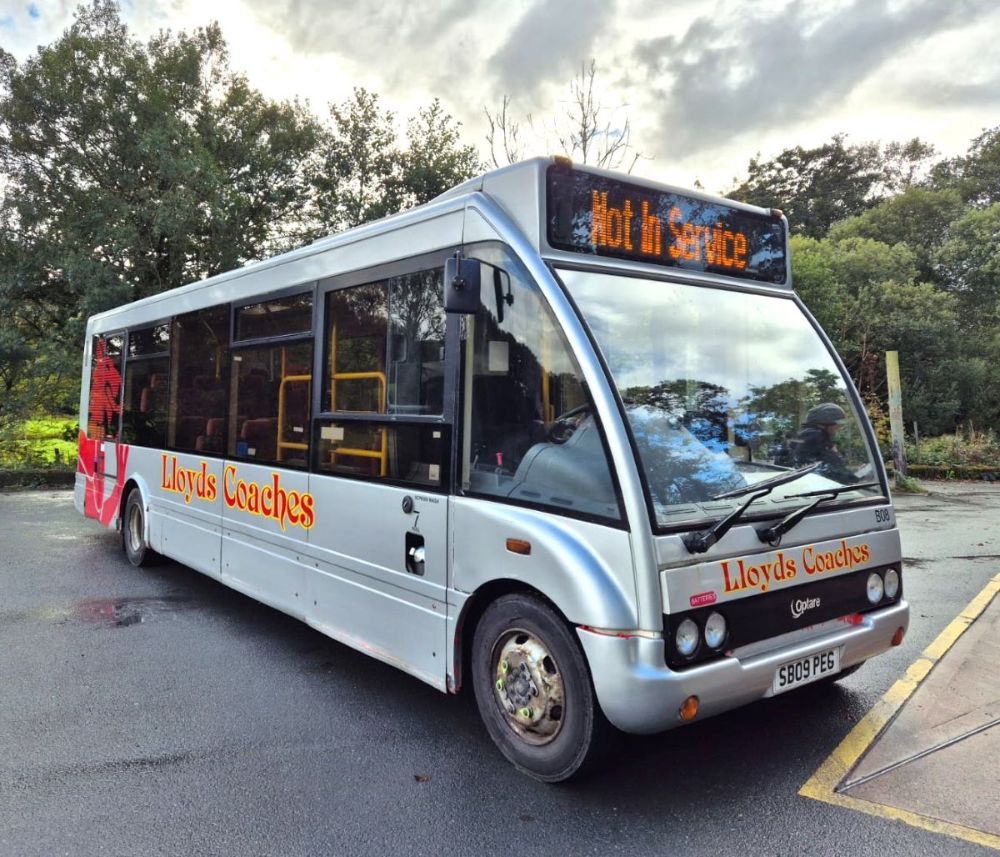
[
  {"x": 472, "y": 611},
  {"x": 135, "y": 482}
]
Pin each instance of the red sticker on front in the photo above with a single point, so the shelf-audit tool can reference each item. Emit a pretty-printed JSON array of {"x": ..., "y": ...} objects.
[{"x": 703, "y": 598}]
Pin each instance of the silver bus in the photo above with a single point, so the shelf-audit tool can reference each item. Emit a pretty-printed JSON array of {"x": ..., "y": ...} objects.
[{"x": 564, "y": 435}]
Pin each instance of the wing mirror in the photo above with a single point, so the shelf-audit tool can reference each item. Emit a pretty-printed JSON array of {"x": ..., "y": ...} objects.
[{"x": 462, "y": 285}]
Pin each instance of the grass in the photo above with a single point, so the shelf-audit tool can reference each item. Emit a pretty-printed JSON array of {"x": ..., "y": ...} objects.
[
  {"x": 48, "y": 441},
  {"x": 908, "y": 485}
]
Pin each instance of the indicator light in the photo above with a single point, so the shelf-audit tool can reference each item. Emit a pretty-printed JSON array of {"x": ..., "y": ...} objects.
[{"x": 688, "y": 710}]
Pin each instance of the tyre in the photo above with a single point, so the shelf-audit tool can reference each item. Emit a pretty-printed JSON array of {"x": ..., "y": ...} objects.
[
  {"x": 534, "y": 691},
  {"x": 134, "y": 530}
]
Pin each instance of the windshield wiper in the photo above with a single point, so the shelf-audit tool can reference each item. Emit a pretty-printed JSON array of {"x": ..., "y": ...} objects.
[
  {"x": 772, "y": 535},
  {"x": 773, "y": 482},
  {"x": 701, "y": 542}
]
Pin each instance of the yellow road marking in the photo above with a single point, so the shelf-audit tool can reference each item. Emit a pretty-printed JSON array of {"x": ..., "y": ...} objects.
[{"x": 823, "y": 784}]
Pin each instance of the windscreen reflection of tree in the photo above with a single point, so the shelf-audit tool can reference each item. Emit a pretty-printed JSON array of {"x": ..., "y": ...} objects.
[
  {"x": 779, "y": 409},
  {"x": 701, "y": 407},
  {"x": 680, "y": 427}
]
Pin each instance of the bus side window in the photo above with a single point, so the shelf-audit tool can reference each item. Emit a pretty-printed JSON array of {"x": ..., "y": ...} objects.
[
  {"x": 104, "y": 406},
  {"x": 199, "y": 376},
  {"x": 270, "y": 400},
  {"x": 270, "y": 405},
  {"x": 385, "y": 346},
  {"x": 384, "y": 364},
  {"x": 531, "y": 433},
  {"x": 144, "y": 417}
]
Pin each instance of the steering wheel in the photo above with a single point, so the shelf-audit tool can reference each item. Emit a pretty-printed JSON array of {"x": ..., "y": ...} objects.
[{"x": 564, "y": 425}]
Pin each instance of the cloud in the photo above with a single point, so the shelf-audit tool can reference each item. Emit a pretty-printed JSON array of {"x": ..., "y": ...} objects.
[
  {"x": 729, "y": 76},
  {"x": 395, "y": 37},
  {"x": 548, "y": 44}
]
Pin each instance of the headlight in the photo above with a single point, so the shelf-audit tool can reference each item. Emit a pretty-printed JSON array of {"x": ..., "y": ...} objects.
[
  {"x": 875, "y": 588},
  {"x": 686, "y": 638},
  {"x": 891, "y": 583},
  {"x": 715, "y": 630}
]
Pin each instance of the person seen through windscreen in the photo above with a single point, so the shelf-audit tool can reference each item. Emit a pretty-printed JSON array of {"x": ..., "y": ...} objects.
[{"x": 816, "y": 441}]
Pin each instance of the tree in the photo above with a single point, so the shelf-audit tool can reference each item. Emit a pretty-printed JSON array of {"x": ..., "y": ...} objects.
[
  {"x": 918, "y": 217},
  {"x": 976, "y": 175},
  {"x": 970, "y": 264},
  {"x": 817, "y": 187},
  {"x": 587, "y": 131},
  {"x": 505, "y": 134},
  {"x": 435, "y": 159},
  {"x": 131, "y": 168},
  {"x": 360, "y": 179},
  {"x": 867, "y": 296}
]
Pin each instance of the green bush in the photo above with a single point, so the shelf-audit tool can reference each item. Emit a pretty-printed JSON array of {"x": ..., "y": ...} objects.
[
  {"x": 955, "y": 471},
  {"x": 964, "y": 449},
  {"x": 44, "y": 442}
]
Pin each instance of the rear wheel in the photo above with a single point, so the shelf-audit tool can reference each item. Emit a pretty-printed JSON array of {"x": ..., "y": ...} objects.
[
  {"x": 134, "y": 530},
  {"x": 533, "y": 690}
]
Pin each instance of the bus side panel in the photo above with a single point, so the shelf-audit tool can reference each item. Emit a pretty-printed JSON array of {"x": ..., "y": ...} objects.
[
  {"x": 380, "y": 620},
  {"x": 185, "y": 506},
  {"x": 360, "y": 590},
  {"x": 585, "y": 569},
  {"x": 264, "y": 532}
]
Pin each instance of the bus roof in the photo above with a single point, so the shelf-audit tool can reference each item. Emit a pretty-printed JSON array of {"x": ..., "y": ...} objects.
[{"x": 519, "y": 189}]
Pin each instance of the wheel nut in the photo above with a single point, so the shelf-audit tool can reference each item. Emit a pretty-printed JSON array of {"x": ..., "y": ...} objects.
[
  {"x": 499, "y": 684},
  {"x": 505, "y": 667},
  {"x": 525, "y": 712}
]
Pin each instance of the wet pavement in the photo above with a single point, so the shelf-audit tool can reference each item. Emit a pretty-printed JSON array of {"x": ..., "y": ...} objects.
[
  {"x": 157, "y": 712},
  {"x": 940, "y": 756},
  {"x": 928, "y": 754}
]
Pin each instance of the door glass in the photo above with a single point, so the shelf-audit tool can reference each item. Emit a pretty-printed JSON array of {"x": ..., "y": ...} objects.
[{"x": 531, "y": 434}]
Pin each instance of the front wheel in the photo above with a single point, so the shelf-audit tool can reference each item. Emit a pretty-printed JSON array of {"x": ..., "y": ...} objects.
[
  {"x": 134, "y": 530},
  {"x": 533, "y": 690}
]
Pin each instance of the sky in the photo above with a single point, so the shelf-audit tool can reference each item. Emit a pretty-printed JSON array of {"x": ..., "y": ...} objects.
[{"x": 704, "y": 85}]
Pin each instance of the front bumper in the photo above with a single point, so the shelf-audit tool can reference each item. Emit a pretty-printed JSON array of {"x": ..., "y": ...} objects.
[{"x": 639, "y": 693}]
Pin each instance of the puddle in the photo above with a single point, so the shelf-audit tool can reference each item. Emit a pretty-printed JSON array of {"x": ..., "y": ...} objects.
[{"x": 122, "y": 612}]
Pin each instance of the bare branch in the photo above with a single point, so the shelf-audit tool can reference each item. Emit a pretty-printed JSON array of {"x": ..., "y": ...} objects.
[{"x": 502, "y": 124}]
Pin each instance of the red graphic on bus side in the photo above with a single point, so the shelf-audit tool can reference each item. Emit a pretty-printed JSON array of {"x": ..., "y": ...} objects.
[
  {"x": 105, "y": 387},
  {"x": 90, "y": 462}
]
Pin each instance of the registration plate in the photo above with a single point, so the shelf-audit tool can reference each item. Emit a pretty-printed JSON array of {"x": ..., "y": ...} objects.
[{"x": 805, "y": 670}]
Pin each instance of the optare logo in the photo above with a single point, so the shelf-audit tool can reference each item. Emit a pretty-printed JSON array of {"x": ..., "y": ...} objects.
[{"x": 801, "y": 605}]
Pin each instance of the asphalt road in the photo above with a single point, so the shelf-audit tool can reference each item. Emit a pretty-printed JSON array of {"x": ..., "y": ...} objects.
[{"x": 157, "y": 712}]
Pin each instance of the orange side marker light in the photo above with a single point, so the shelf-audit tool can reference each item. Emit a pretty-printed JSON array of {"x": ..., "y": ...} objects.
[
  {"x": 519, "y": 546},
  {"x": 688, "y": 710}
]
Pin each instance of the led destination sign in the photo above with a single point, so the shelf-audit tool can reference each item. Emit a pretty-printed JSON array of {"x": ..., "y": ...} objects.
[{"x": 593, "y": 214}]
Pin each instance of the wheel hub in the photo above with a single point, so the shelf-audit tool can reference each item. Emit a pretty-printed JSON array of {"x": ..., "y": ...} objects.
[{"x": 528, "y": 687}]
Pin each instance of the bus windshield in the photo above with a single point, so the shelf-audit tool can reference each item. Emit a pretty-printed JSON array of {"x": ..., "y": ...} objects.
[{"x": 723, "y": 389}]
